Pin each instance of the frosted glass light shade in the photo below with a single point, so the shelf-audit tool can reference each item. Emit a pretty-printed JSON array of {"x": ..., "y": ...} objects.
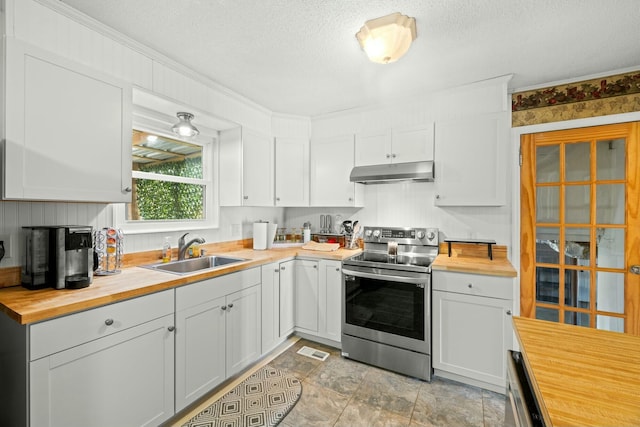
[
  {"x": 388, "y": 38},
  {"x": 184, "y": 126}
]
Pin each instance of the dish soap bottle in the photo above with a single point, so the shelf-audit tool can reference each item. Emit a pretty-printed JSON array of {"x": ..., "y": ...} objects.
[{"x": 166, "y": 250}]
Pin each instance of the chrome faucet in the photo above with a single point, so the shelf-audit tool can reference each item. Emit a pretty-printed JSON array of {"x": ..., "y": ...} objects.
[{"x": 182, "y": 246}]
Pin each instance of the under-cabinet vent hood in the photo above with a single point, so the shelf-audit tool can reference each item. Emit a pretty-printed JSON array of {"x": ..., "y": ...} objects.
[{"x": 393, "y": 172}]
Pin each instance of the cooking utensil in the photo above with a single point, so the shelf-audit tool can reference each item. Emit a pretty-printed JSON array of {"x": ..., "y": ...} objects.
[{"x": 348, "y": 226}]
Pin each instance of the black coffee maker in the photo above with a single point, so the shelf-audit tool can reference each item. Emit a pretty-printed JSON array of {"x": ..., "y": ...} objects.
[{"x": 58, "y": 256}]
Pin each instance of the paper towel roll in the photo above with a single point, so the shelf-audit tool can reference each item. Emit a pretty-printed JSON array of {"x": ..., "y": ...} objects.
[
  {"x": 271, "y": 235},
  {"x": 260, "y": 230}
]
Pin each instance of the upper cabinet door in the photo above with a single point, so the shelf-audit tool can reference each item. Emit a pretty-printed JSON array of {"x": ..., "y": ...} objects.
[
  {"x": 471, "y": 158},
  {"x": 68, "y": 130},
  {"x": 332, "y": 160},
  {"x": 292, "y": 172},
  {"x": 257, "y": 169},
  {"x": 412, "y": 144},
  {"x": 373, "y": 148},
  {"x": 245, "y": 168}
]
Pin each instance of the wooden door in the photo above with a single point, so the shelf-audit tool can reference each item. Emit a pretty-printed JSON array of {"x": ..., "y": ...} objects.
[{"x": 580, "y": 227}]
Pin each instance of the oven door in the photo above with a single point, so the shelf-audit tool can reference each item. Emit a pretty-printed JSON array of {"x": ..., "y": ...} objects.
[{"x": 387, "y": 306}]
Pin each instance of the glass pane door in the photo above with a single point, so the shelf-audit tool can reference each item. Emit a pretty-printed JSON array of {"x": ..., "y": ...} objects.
[{"x": 576, "y": 220}]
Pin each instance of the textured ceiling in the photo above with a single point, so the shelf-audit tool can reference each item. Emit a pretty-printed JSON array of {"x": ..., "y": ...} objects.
[{"x": 302, "y": 57}]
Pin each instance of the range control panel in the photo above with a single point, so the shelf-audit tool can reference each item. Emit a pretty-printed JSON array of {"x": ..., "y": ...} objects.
[{"x": 402, "y": 235}]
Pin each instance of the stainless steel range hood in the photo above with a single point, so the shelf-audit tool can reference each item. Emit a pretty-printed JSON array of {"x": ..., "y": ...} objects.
[{"x": 393, "y": 172}]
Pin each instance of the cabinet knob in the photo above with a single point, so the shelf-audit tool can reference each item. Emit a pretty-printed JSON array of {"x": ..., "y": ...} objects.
[
  {"x": 388, "y": 156},
  {"x": 437, "y": 197},
  {"x": 470, "y": 285},
  {"x": 277, "y": 199},
  {"x": 351, "y": 199},
  {"x": 508, "y": 312},
  {"x": 246, "y": 197},
  {"x": 277, "y": 270},
  {"x": 393, "y": 156},
  {"x": 171, "y": 328},
  {"x": 224, "y": 307},
  {"x": 230, "y": 305},
  {"x": 127, "y": 189},
  {"x": 108, "y": 322},
  {"x": 315, "y": 266},
  {"x": 337, "y": 269},
  {"x": 282, "y": 268}
]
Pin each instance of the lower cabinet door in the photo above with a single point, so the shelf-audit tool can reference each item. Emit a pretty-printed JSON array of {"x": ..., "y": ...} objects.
[
  {"x": 243, "y": 329},
  {"x": 200, "y": 350},
  {"x": 331, "y": 300},
  {"x": 124, "y": 379},
  {"x": 306, "y": 295},
  {"x": 287, "y": 281},
  {"x": 471, "y": 335}
]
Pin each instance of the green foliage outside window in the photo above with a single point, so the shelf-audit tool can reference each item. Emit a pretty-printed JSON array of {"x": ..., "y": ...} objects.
[{"x": 164, "y": 200}]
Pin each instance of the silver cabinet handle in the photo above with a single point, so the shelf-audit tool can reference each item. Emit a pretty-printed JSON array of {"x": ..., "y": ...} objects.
[
  {"x": 230, "y": 306},
  {"x": 315, "y": 266},
  {"x": 351, "y": 199},
  {"x": 246, "y": 197},
  {"x": 393, "y": 156},
  {"x": 337, "y": 269},
  {"x": 470, "y": 285},
  {"x": 224, "y": 307},
  {"x": 277, "y": 270},
  {"x": 108, "y": 322},
  {"x": 282, "y": 268},
  {"x": 388, "y": 156},
  {"x": 127, "y": 189},
  {"x": 171, "y": 328},
  {"x": 508, "y": 312},
  {"x": 277, "y": 199},
  {"x": 635, "y": 269}
]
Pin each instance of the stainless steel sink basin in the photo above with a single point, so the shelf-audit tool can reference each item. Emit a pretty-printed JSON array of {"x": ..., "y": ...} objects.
[{"x": 194, "y": 265}]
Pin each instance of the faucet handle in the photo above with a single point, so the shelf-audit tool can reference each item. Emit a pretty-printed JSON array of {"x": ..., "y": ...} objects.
[{"x": 181, "y": 239}]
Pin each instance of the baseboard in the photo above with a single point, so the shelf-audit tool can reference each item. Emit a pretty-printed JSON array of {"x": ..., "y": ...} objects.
[{"x": 470, "y": 381}]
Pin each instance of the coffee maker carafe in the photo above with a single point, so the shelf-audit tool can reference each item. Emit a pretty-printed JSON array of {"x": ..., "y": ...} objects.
[{"x": 58, "y": 256}]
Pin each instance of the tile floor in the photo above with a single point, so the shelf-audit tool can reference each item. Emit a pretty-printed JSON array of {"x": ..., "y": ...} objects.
[{"x": 341, "y": 392}]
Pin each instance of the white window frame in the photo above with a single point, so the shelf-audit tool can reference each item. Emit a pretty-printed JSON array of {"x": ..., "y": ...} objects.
[{"x": 208, "y": 139}]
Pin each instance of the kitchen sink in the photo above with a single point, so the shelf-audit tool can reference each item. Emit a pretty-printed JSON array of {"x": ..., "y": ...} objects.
[{"x": 194, "y": 265}]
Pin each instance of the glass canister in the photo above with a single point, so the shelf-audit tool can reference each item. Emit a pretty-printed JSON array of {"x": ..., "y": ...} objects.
[{"x": 108, "y": 249}]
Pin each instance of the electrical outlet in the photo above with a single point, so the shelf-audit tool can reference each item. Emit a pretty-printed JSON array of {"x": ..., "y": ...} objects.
[{"x": 6, "y": 239}]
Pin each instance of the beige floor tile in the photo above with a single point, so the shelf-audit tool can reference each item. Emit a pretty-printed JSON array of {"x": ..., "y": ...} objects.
[
  {"x": 390, "y": 391},
  {"x": 318, "y": 406},
  {"x": 358, "y": 414},
  {"x": 338, "y": 374}
]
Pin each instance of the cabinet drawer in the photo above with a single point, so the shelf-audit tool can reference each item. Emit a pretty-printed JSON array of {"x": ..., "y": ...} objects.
[
  {"x": 473, "y": 284},
  {"x": 55, "y": 335},
  {"x": 210, "y": 289}
]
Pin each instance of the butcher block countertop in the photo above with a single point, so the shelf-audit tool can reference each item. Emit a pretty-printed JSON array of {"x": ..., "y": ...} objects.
[
  {"x": 582, "y": 376},
  {"x": 27, "y": 306},
  {"x": 474, "y": 265}
]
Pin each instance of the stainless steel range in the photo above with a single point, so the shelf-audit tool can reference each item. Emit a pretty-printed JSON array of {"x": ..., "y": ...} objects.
[{"x": 386, "y": 314}]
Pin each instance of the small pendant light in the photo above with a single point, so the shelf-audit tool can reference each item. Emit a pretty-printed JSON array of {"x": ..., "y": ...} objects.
[{"x": 184, "y": 126}]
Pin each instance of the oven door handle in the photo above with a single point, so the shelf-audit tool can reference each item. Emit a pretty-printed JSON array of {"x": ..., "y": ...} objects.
[{"x": 392, "y": 278}]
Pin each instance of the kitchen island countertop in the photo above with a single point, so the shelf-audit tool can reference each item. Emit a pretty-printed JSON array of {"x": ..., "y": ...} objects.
[
  {"x": 581, "y": 376},
  {"x": 474, "y": 265},
  {"x": 29, "y": 306}
]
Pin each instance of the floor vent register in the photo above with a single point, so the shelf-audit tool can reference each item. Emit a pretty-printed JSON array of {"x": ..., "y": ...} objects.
[{"x": 313, "y": 353}]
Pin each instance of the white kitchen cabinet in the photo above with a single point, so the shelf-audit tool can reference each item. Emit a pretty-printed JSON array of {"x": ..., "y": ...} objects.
[
  {"x": 67, "y": 132},
  {"x": 108, "y": 366},
  {"x": 472, "y": 156},
  {"x": 332, "y": 160},
  {"x": 287, "y": 297},
  {"x": 217, "y": 331},
  {"x": 292, "y": 171},
  {"x": 330, "y": 300},
  {"x": 270, "y": 306},
  {"x": 472, "y": 327},
  {"x": 398, "y": 145},
  {"x": 243, "y": 329},
  {"x": 246, "y": 168},
  {"x": 306, "y": 295}
]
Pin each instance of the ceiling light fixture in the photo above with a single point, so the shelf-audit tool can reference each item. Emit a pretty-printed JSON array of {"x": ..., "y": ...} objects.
[
  {"x": 184, "y": 126},
  {"x": 387, "y": 38}
]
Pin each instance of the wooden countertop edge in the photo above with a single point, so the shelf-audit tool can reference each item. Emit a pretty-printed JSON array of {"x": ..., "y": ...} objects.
[
  {"x": 536, "y": 389},
  {"x": 27, "y": 306},
  {"x": 497, "y": 267}
]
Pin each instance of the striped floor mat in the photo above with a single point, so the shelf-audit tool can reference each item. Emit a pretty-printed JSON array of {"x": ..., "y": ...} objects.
[{"x": 263, "y": 399}]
